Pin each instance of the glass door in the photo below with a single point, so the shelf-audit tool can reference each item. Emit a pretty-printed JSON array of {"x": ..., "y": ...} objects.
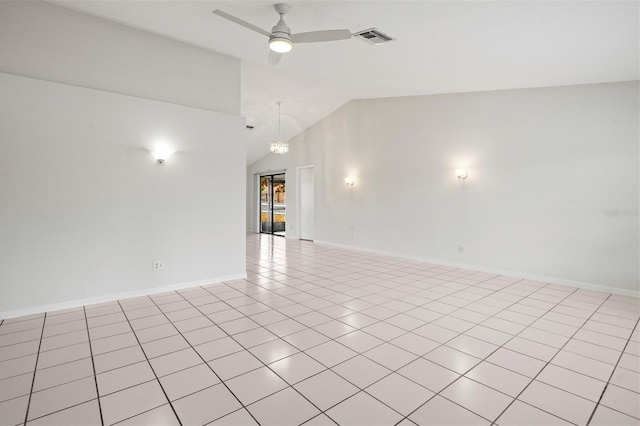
[
  {"x": 273, "y": 211},
  {"x": 266, "y": 212},
  {"x": 279, "y": 210}
]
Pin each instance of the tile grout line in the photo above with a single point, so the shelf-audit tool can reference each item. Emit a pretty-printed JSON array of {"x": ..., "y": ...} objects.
[
  {"x": 114, "y": 303},
  {"x": 405, "y": 417},
  {"x": 310, "y": 327},
  {"x": 298, "y": 349},
  {"x": 524, "y": 354},
  {"x": 35, "y": 370},
  {"x": 545, "y": 366},
  {"x": 152, "y": 369},
  {"x": 312, "y": 289},
  {"x": 333, "y": 318},
  {"x": 93, "y": 366},
  {"x": 62, "y": 409},
  {"x": 398, "y": 313},
  {"x": 311, "y": 347},
  {"x": 584, "y": 320},
  {"x": 246, "y": 349},
  {"x": 502, "y": 310},
  {"x": 531, "y": 293},
  {"x": 205, "y": 362},
  {"x": 307, "y": 326},
  {"x": 410, "y": 332},
  {"x": 485, "y": 359},
  {"x": 426, "y": 322},
  {"x": 115, "y": 350},
  {"x": 557, "y": 303},
  {"x": 470, "y": 303},
  {"x": 622, "y": 352}
]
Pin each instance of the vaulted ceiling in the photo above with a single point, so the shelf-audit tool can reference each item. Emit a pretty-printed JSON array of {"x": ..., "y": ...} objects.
[{"x": 440, "y": 47}]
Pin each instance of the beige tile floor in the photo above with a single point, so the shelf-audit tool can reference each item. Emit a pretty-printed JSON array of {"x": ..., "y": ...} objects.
[{"x": 321, "y": 335}]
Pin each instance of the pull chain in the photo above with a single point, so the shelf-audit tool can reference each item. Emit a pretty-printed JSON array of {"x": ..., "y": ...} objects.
[{"x": 279, "y": 135}]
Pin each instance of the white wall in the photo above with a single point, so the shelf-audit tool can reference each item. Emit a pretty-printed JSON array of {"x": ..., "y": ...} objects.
[
  {"x": 544, "y": 165},
  {"x": 53, "y": 43},
  {"x": 84, "y": 208}
]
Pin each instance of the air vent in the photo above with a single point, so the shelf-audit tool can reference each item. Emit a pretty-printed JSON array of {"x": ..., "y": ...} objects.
[{"x": 373, "y": 36}]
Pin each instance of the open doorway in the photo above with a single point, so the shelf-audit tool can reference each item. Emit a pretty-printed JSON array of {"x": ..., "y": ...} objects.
[{"x": 273, "y": 201}]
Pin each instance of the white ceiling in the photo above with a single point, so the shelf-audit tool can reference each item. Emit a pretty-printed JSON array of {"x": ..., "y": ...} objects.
[{"x": 441, "y": 47}]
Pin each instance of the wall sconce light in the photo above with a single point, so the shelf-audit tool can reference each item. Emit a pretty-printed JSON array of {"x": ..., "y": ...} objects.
[
  {"x": 461, "y": 174},
  {"x": 161, "y": 154},
  {"x": 349, "y": 181}
]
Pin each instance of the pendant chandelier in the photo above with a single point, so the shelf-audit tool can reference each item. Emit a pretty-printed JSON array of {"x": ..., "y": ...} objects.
[{"x": 279, "y": 147}]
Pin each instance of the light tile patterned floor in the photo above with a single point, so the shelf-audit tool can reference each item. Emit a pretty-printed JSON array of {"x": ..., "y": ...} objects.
[{"x": 322, "y": 335}]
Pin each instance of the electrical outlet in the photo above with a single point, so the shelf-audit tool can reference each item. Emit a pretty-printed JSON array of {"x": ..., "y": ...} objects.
[
  {"x": 462, "y": 248},
  {"x": 157, "y": 265}
]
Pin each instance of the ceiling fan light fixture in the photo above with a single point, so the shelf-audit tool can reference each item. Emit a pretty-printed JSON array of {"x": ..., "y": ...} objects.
[{"x": 280, "y": 44}]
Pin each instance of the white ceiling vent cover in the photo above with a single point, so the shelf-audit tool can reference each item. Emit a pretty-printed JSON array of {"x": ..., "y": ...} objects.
[{"x": 373, "y": 36}]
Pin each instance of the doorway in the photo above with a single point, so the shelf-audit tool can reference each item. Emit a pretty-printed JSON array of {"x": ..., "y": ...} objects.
[
  {"x": 306, "y": 202},
  {"x": 273, "y": 198}
]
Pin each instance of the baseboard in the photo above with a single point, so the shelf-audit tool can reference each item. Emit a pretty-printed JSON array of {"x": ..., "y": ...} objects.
[
  {"x": 523, "y": 275},
  {"x": 117, "y": 296}
]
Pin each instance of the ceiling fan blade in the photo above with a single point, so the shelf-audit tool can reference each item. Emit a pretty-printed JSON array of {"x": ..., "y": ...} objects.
[
  {"x": 315, "y": 36},
  {"x": 274, "y": 58},
  {"x": 239, "y": 21}
]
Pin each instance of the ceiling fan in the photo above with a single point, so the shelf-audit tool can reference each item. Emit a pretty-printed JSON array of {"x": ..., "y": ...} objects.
[{"x": 280, "y": 38}]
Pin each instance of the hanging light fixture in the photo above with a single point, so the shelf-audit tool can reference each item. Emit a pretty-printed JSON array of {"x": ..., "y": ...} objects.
[{"x": 279, "y": 147}]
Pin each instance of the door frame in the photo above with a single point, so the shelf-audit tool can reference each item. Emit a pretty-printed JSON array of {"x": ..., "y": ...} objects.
[
  {"x": 258, "y": 200},
  {"x": 299, "y": 199}
]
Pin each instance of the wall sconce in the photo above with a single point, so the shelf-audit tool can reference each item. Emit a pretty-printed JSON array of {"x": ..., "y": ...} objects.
[
  {"x": 161, "y": 154},
  {"x": 461, "y": 174},
  {"x": 349, "y": 181}
]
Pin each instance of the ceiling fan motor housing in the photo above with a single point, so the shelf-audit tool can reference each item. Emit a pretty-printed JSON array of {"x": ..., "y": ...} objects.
[{"x": 281, "y": 30}]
